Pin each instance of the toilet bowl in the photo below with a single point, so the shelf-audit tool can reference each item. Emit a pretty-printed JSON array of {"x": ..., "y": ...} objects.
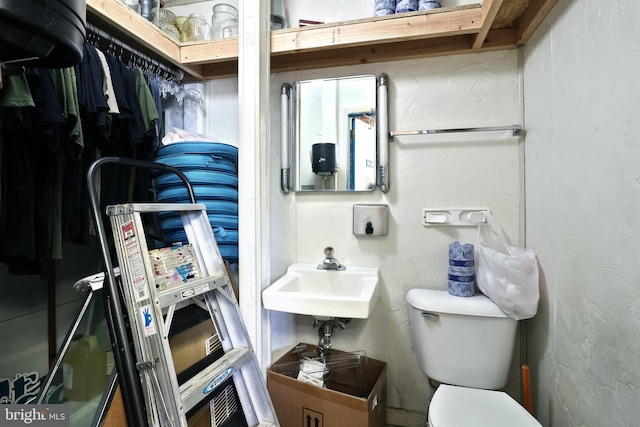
[
  {"x": 466, "y": 344},
  {"x": 453, "y": 406}
]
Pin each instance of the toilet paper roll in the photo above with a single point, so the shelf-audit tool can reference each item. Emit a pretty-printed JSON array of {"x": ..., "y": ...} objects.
[
  {"x": 384, "y": 7},
  {"x": 461, "y": 253},
  {"x": 461, "y": 269},
  {"x": 428, "y": 4},
  {"x": 403, "y": 6},
  {"x": 461, "y": 289}
]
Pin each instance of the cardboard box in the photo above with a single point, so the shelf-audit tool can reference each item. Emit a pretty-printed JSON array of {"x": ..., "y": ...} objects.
[
  {"x": 351, "y": 396},
  {"x": 190, "y": 346}
]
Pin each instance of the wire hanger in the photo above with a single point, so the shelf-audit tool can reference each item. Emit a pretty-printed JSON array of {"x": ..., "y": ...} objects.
[{"x": 136, "y": 58}]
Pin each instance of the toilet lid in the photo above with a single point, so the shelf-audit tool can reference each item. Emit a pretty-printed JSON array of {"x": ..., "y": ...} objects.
[{"x": 453, "y": 406}]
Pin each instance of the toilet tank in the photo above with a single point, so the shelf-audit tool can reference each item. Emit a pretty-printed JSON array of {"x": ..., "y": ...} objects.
[{"x": 464, "y": 341}]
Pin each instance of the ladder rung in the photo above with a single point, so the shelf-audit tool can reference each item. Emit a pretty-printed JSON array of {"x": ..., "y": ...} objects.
[
  {"x": 129, "y": 208},
  {"x": 198, "y": 387},
  {"x": 176, "y": 294}
]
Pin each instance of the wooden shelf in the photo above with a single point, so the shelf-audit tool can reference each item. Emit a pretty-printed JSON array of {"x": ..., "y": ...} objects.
[{"x": 492, "y": 25}]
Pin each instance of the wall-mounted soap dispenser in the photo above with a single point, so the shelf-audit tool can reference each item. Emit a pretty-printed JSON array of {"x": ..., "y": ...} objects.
[{"x": 370, "y": 220}]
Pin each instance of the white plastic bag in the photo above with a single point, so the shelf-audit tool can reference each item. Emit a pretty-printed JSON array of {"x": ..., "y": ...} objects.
[{"x": 507, "y": 274}]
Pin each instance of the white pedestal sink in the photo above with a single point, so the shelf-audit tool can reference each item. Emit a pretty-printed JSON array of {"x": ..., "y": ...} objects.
[{"x": 304, "y": 289}]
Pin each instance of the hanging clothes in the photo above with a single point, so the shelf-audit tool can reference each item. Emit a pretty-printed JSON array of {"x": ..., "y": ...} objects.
[
  {"x": 107, "y": 85},
  {"x": 127, "y": 133},
  {"x": 30, "y": 164},
  {"x": 14, "y": 97},
  {"x": 156, "y": 94},
  {"x": 71, "y": 151},
  {"x": 53, "y": 125},
  {"x": 139, "y": 188}
]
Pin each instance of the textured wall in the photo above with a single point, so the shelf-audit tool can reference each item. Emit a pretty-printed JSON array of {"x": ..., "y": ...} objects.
[
  {"x": 582, "y": 103},
  {"x": 472, "y": 170}
]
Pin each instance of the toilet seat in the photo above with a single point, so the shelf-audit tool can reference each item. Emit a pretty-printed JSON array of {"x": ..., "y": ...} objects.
[{"x": 453, "y": 406}]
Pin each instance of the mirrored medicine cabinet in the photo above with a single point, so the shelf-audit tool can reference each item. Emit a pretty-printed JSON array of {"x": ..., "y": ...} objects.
[{"x": 335, "y": 130}]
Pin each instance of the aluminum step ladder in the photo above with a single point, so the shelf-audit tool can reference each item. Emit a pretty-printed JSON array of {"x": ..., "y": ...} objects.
[{"x": 155, "y": 284}]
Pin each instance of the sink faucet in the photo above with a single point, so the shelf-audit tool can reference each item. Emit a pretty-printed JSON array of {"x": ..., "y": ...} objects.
[{"x": 329, "y": 262}]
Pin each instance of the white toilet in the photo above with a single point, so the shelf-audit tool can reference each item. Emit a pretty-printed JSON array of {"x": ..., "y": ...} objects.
[{"x": 466, "y": 344}]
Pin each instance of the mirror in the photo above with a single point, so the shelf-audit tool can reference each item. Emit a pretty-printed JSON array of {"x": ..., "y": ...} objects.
[{"x": 334, "y": 134}]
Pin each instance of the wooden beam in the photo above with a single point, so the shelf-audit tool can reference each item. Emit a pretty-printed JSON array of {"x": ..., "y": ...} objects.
[
  {"x": 118, "y": 19},
  {"x": 116, "y": 15},
  {"x": 505, "y": 38},
  {"x": 533, "y": 16},
  {"x": 490, "y": 10},
  {"x": 220, "y": 70},
  {"x": 372, "y": 54},
  {"x": 210, "y": 52},
  {"x": 454, "y": 45},
  {"x": 429, "y": 48},
  {"x": 510, "y": 13},
  {"x": 492, "y": 25},
  {"x": 193, "y": 73},
  {"x": 371, "y": 31},
  {"x": 218, "y": 58}
]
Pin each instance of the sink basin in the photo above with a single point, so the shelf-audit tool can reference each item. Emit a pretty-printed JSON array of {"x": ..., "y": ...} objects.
[{"x": 304, "y": 289}]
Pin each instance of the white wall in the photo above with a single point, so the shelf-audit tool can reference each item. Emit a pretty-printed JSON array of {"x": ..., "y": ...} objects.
[
  {"x": 460, "y": 171},
  {"x": 582, "y": 104}
]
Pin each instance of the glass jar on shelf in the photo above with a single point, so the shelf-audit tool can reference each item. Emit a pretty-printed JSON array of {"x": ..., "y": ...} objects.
[
  {"x": 162, "y": 15},
  {"x": 224, "y": 20},
  {"x": 179, "y": 23},
  {"x": 196, "y": 28},
  {"x": 145, "y": 8}
]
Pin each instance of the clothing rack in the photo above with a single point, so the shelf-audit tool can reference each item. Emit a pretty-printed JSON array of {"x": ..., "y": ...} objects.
[{"x": 95, "y": 35}]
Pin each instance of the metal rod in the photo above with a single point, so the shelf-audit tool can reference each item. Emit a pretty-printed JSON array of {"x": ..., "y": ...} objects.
[
  {"x": 383, "y": 131},
  {"x": 285, "y": 135},
  {"x": 115, "y": 315},
  {"x": 177, "y": 74},
  {"x": 516, "y": 129}
]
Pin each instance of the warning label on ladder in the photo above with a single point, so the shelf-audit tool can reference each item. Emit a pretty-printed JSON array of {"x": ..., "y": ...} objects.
[
  {"x": 138, "y": 276},
  {"x": 147, "y": 320}
]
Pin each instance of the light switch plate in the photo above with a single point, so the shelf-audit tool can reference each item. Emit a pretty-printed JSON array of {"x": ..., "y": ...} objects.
[{"x": 370, "y": 220}]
